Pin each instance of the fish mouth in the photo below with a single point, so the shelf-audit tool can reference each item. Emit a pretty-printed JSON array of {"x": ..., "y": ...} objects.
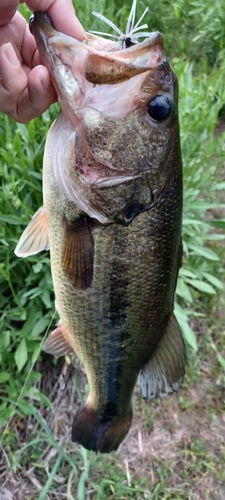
[
  {"x": 95, "y": 73},
  {"x": 42, "y": 29},
  {"x": 54, "y": 47},
  {"x": 127, "y": 63},
  {"x": 40, "y": 22}
]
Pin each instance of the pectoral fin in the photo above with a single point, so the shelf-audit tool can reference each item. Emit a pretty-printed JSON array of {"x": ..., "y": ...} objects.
[
  {"x": 78, "y": 253},
  {"x": 58, "y": 343},
  {"x": 35, "y": 237},
  {"x": 164, "y": 372}
]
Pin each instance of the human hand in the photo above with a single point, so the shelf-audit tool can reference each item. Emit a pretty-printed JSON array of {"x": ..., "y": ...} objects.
[{"x": 25, "y": 87}]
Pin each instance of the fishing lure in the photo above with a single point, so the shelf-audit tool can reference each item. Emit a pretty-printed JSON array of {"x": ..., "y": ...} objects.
[{"x": 132, "y": 32}]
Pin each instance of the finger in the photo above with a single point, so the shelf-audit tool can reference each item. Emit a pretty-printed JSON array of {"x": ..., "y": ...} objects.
[
  {"x": 23, "y": 97},
  {"x": 7, "y": 10},
  {"x": 37, "y": 97},
  {"x": 14, "y": 32},
  {"x": 62, "y": 14},
  {"x": 13, "y": 78}
]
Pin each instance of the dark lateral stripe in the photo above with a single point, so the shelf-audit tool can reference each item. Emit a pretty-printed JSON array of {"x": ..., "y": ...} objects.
[{"x": 78, "y": 253}]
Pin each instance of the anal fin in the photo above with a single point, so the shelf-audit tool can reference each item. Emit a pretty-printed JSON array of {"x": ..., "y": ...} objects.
[
  {"x": 35, "y": 237},
  {"x": 164, "y": 372},
  {"x": 58, "y": 343}
]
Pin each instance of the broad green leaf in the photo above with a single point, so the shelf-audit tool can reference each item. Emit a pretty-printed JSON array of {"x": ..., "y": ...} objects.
[
  {"x": 214, "y": 281},
  {"x": 215, "y": 237},
  {"x": 29, "y": 325},
  {"x": 204, "y": 252},
  {"x": 189, "y": 335},
  {"x": 218, "y": 223},
  {"x": 40, "y": 326},
  {"x": 183, "y": 291},
  {"x": 195, "y": 222},
  {"x": 183, "y": 320},
  {"x": 202, "y": 286},
  {"x": 186, "y": 272},
  {"x": 21, "y": 355},
  {"x": 219, "y": 186},
  {"x": 12, "y": 219},
  {"x": 45, "y": 297},
  {"x": 37, "y": 267},
  {"x": 179, "y": 311},
  {"x": 4, "y": 376}
]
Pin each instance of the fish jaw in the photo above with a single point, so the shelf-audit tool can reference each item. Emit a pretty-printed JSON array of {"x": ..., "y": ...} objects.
[
  {"x": 84, "y": 76},
  {"x": 65, "y": 71}
]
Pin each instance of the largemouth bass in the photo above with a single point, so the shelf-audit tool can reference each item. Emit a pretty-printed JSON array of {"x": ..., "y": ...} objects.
[{"x": 111, "y": 216}]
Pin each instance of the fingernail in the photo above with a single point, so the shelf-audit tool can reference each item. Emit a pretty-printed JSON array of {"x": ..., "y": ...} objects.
[
  {"x": 10, "y": 54},
  {"x": 46, "y": 84}
]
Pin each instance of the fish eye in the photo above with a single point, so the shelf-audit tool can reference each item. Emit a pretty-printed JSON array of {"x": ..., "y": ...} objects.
[{"x": 159, "y": 108}]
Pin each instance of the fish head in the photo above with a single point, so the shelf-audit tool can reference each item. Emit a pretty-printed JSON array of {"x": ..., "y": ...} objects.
[{"x": 123, "y": 105}]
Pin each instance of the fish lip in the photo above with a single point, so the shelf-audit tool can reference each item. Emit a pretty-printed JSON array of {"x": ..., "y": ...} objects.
[
  {"x": 39, "y": 23},
  {"x": 41, "y": 28},
  {"x": 77, "y": 67}
]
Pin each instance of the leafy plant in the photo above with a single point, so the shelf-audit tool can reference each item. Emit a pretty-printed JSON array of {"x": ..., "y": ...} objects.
[{"x": 202, "y": 273}]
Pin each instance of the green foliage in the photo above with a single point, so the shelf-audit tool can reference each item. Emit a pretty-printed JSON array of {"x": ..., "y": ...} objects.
[
  {"x": 26, "y": 299},
  {"x": 201, "y": 99}
]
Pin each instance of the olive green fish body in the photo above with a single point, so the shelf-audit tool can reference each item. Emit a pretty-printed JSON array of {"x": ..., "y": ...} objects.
[{"x": 112, "y": 193}]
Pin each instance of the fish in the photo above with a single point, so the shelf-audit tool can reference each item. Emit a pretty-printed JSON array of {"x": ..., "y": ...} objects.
[{"x": 112, "y": 217}]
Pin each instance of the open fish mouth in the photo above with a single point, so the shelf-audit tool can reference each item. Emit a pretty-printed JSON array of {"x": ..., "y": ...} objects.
[{"x": 78, "y": 67}]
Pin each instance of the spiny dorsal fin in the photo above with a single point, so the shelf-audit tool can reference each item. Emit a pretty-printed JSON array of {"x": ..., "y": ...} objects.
[
  {"x": 78, "y": 253},
  {"x": 164, "y": 372},
  {"x": 58, "y": 342},
  {"x": 35, "y": 237}
]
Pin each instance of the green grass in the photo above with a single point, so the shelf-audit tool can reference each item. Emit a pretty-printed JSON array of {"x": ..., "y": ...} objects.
[{"x": 176, "y": 446}]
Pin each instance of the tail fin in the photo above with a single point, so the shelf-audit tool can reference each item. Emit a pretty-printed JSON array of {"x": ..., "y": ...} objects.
[{"x": 98, "y": 434}]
